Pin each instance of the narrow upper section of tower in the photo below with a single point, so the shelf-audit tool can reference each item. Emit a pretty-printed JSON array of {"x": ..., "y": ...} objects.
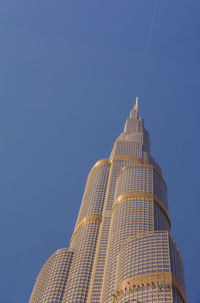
[
  {"x": 134, "y": 111},
  {"x": 135, "y": 123},
  {"x": 136, "y": 105}
]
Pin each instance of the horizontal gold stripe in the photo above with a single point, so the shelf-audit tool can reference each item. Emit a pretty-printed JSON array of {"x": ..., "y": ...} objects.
[
  {"x": 124, "y": 158},
  {"x": 132, "y": 166},
  {"x": 144, "y": 165},
  {"x": 134, "y": 196},
  {"x": 158, "y": 278},
  {"x": 99, "y": 163},
  {"x": 143, "y": 162},
  {"x": 86, "y": 220}
]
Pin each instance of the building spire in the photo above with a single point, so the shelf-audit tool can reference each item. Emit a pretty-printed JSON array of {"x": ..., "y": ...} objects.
[
  {"x": 136, "y": 105},
  {"x": 134, "y": 111}
]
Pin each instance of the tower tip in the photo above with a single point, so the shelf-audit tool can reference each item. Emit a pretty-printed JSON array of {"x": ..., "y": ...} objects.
[{"x": 136, "y": 104}]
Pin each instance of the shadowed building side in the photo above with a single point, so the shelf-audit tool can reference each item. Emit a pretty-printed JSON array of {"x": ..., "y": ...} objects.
[{"x": 84, "y": 239}]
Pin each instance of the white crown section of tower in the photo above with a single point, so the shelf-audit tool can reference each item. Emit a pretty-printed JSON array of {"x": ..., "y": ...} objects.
[{"x": 121, "y": 249}]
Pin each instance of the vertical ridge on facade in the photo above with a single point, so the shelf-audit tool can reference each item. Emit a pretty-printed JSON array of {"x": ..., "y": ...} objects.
[{"x": 121, "y": 249}]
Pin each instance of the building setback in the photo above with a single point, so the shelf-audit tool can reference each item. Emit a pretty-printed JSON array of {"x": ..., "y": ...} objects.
[{"x": 121, "y": 250}]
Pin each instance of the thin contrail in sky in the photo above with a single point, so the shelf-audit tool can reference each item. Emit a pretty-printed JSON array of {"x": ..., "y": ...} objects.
[
  {"x": 153, "y": 19},
  {"x": 141, "y": 73}
]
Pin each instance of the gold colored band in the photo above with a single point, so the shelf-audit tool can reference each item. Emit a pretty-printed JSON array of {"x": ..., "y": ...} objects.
[
  {"x": 158, "y": 278},
  {"x": 102, "y": 162},
  {"x": 132, "y": 166},
  {"x": 140, "y": 195},
  {"x": 144, "y": 165},
  {"x": 86, "y": 220},
  {"x": 116, "y": 158},
  {"x": 124, "y": 158},
  {"x": 142, "y": 162}
]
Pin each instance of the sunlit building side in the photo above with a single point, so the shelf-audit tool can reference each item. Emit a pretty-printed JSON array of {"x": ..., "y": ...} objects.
[{"x": 121, "y": 250}]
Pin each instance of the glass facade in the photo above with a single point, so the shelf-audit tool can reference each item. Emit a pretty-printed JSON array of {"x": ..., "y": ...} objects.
[
  {"x": 51, "y": 281},
  {"x": 121, "y": 249}
]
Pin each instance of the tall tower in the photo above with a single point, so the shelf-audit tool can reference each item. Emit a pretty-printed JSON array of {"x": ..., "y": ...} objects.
[{"x": 121, "y": 250}]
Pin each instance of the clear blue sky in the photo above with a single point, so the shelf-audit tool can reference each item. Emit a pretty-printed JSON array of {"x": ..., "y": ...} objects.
[{"x": 70, "y": 71}]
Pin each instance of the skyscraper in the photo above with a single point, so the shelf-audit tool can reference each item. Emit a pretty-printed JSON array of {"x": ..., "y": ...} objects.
[{"x": 121, "y": 250}]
